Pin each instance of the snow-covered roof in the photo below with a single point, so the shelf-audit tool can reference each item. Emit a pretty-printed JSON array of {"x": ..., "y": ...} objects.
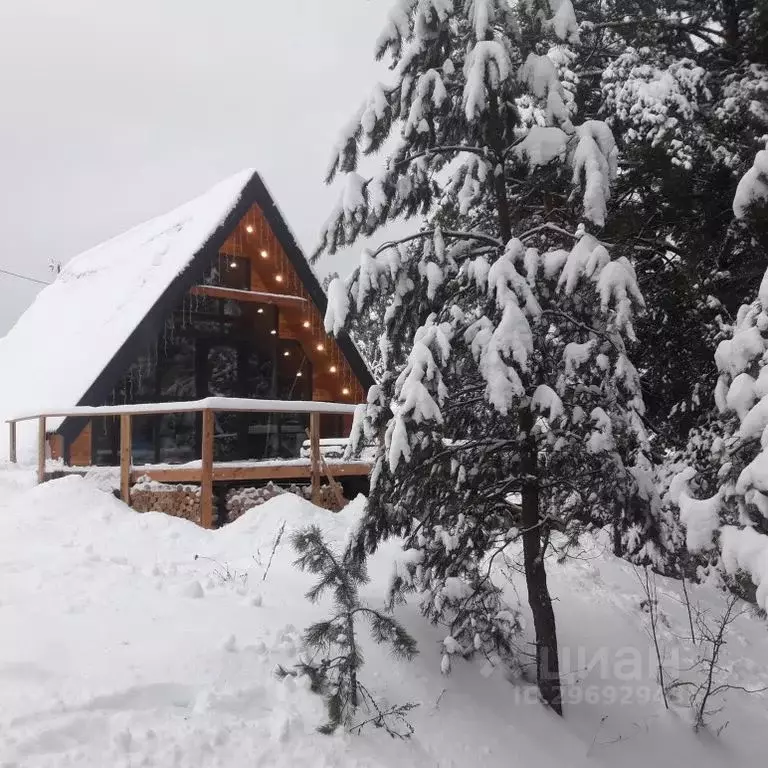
[{"x": 76, "y": 325}]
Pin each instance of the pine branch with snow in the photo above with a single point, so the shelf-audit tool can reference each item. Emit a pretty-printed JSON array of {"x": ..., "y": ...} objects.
[{"x": 333, "y": 652}]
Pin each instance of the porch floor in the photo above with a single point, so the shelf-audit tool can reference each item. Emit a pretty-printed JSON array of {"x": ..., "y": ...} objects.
[{"x": 223, "y": 471}]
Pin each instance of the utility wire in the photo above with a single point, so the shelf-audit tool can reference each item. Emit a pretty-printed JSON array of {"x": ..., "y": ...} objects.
[{"x": 23, "y": 277}]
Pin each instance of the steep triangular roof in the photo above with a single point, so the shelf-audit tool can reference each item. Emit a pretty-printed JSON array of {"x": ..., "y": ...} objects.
[{"x": 82, "y": 332}]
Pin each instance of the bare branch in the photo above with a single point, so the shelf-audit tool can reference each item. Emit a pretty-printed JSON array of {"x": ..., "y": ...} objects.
[
  {"x": 552, "y": 228},
  {"x": 583, "y": 326},
  {"x": 481, "y": 151},
  {"x": 446, "y": 233}
]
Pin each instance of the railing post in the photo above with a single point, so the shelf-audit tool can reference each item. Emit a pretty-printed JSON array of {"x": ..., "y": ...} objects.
[
  {"x": 206, "y": 471},
  {"x": 126, "y": 457},
  {"x": 314, "y": 454},
  {"x": 41, "y": 449},
  {"x": 12, "y": 448}
]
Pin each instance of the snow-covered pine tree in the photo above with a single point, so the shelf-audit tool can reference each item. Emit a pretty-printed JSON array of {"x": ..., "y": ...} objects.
[
  {"x": 723, "y": 494},
  {"x": 684, "y": 86},
  {"x": 508, "y": 407}
]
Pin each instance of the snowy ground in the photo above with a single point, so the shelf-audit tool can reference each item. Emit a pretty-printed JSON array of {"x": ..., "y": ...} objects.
[{"x": 119, "y": 648}]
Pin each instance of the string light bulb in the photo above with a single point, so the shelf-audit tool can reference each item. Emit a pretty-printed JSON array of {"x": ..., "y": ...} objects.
[
  {"x": 332, "y": 369},
  {"x": 306, "y": 323},
  {"x": 279, "y": 278},
  {"x": 260, "y": 311},
  {"x": 345, "y": 391},
  {"x": 273, "y": 332},
  {"x": 249, "y": 229},
  {"x": 320, "y": 347},
  {"x": 299, "y": 374},
  {"x": 286, "y": 353},
  {"x": 232, "y": 264},
  {"x": 264, "y": 255}
]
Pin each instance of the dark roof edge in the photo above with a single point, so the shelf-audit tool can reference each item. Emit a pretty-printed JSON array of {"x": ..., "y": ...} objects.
[{"x": 146, "y": 331}]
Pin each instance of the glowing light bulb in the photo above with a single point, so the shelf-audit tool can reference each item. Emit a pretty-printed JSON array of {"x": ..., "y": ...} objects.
[
  {"x": 232, "y": 264},
  {"x": 249, "y": 229},
  {"x": 279, "y": 278},
  {"x": 306, "y": 323},
  {"x": 320, "y": 347},
  {"x": 332, "y": 369},
  {"x": 260, "y": 311},
  {"x": 273, "y": 332},
  {"x": 264, "y": 254},
  {"x": 286, "y": 353},
  {"x": 345, "y": 391},
  {"x": 299, "y": 374}
]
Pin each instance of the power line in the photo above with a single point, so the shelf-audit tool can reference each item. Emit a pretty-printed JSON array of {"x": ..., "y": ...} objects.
[{"x": 23, "y": 277}]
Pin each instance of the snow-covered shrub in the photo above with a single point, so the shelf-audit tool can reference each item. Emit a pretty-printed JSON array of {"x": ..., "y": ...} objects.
[
  {"x": 655, "y": 102},
  {"x": 731, "y": 522}
]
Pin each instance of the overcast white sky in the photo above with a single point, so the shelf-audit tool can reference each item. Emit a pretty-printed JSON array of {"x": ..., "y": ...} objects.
[{"x": 114, "y": 112}]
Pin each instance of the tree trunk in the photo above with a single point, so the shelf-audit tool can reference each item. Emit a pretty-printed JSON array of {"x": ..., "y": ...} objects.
[
  {"x": 547, "y": 663},
  {"x": 617, "y": 510},
  {"x": 496, "y": 142},
  {"x": 731, "y": 25}
]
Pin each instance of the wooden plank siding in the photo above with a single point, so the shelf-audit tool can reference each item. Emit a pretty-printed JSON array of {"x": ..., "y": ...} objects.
[{"x": 81, "y": 449}]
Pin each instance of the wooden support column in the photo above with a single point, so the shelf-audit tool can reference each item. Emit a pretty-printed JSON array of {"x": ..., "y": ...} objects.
[
  {"x": 41, "y": 449},
  {"x": 126, "y": 457},
  {"x": 12, "y": 448},
  {"x": 314, "y": 454},
  {"x": 206, "y": 472}
]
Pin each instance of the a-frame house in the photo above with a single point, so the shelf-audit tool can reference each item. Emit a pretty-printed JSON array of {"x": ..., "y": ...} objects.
[{"x": 214, "y": 299}]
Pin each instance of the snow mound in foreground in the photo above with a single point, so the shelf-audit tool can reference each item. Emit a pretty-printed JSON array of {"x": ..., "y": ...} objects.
[{"x": 143, "y": 640}]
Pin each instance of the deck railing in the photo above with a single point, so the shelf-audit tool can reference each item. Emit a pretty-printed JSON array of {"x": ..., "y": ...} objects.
[{"x": 207, "y": 407}]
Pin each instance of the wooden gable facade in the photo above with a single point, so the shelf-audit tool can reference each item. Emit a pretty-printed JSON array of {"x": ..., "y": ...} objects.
[{"x": 245, "y": 319}]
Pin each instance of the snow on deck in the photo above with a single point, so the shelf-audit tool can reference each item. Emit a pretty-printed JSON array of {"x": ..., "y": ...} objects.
[{"x": 75, "y": 326}]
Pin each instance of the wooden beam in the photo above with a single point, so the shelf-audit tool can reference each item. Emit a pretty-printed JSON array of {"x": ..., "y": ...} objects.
[
  {"x": 125, "y": 457},
  {"x": 314, "y": 454},
  {"x": 206, "y": 471},
  {"x": 12, "y": 448},
  {"x": 222, "y": 473},
  {"x": 255, "y": 297},
  {"x": 41, "y": 449}
]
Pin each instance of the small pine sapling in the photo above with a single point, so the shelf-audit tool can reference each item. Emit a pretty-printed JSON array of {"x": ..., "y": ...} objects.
[{"x": 334, "y": 653}]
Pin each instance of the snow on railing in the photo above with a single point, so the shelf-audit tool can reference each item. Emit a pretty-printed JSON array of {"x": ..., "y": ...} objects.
[{"x": 240, "y": 404}]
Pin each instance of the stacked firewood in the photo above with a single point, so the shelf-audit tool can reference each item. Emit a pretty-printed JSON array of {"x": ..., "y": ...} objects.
[
  {"x": 240, "y": 500},
  {"x": 177, "y": 500}
]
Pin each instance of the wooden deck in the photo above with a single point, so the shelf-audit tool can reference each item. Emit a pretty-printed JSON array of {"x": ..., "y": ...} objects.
[{"x": 206, "y": 472}]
